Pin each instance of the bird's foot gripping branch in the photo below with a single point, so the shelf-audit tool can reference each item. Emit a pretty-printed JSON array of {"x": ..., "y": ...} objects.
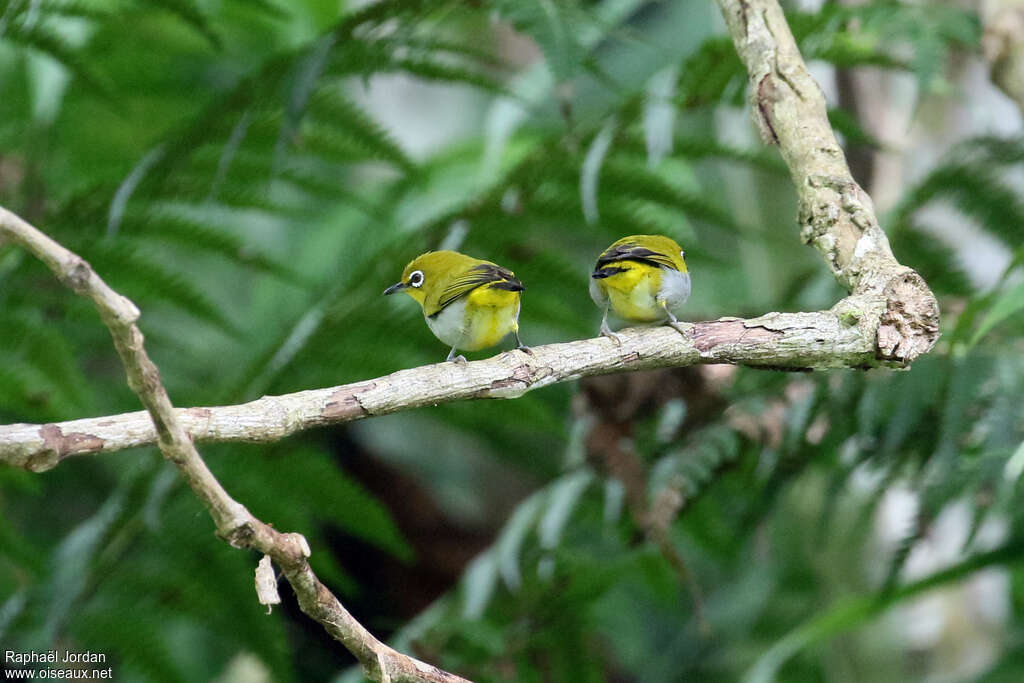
[{"x": 848, "y": 336}]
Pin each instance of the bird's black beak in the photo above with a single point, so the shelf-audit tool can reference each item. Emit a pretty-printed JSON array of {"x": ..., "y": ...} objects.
[{"x": 397, "y": 287}]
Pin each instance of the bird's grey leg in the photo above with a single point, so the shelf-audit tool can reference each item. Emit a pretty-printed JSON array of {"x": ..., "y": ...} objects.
[
  {"x": 673, "y": 321},
  {"x": 519, "y": 343},
  {"x": 455, "y": 359},
  {"x": 607, "y": 331}
]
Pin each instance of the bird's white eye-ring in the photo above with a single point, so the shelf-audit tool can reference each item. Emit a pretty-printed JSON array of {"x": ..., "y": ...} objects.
[
  {"x": 682, "y": 254},
  {"x": 416, "y": 278}
]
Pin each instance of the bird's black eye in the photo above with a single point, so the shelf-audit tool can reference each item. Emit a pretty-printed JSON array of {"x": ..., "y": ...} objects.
[{"x": 416, "y": 278}]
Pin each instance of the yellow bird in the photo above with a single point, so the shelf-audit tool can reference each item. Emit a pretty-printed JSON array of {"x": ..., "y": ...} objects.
[
  {"x": 468, "y": 303},
  {"x": 641, "y": 278}
]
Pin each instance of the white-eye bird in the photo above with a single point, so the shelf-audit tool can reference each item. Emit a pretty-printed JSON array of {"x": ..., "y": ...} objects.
[
  {"x": 641, "y": 278},
  {"x": 468, "y": 303}
]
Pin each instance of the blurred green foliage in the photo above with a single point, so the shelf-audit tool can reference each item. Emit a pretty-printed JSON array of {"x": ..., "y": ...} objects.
[{"x": 221, "y": 163}]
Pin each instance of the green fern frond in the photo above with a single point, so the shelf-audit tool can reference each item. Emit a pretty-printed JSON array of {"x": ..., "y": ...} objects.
[
  {"x": 978, "y": 192},
  {"x": 713, "y": 73},
  {"x": 32, "y": 344},
  {"x": 862, "y": 35},
  {"x": 335, "y": 498},
  {"x": 623, "y": 178},
  {"x": 322, "y": 177},
  {"x": 699, "y": 148},
  {"x": 64, "y": 8},
  {"x": 166, "y": 225},
  {"x": 40, "y": 37},
  {"x": 192, "y": 14},
  {"x": 330, "y": 106},
  {"x": 267, "y": 6},
  {"x": 146, "y": 279},
  {"x": 424, "y": 46},
  {"x": 17, "y": 389},
  {"x": 855, "y": 611},
  {"x": 383, "y": 11},
  {"x": 847, "y": 125},
  {"x": 552, "y": 25},
  {"x": 991, "y": 149},
  {"x": 692, "y": 468},
  {"x": 935, "y": 261},
  {"x": 432, "y": 70},
  {"x": 237, "y": 195},
  {"x": 138, "y": 637}
]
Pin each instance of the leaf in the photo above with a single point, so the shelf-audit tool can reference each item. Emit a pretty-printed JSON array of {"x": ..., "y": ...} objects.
[
  {"x": 35, "y": 346},
  {"x": 509, "y": 543},
  {"x": 303, "y": 83},
  {"x": 144, "y": 278},
  {"x": 659, "y": 114},
  {"x": 478, "y": 583},
  {"x": 42, "y": 38},
  {"x": 1006, "y": 304},
  {"x": 124, "y": 191},
  {"x": 591, "y": 169},
  {"x": 73, "y": 560},
  {"x": 331, "y": 106},
  {"x": 936, "y": 262},
  {"x": 712, "y": 74},
  {"x": 170, "y": 224},
  {"x": 562, "y": 499},
  {"x": 190, "y": 12},
  {"x": 852, "y": 612},
  {"x": 846, "y": 124},
  {"x": 978, "y": 192},
  {"x": 548, "y": 22}
]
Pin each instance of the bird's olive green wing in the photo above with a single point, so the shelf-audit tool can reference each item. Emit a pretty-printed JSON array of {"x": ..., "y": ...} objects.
[
  {"x": 477, "y": 276},
  {"x": 631, "y": 251}
]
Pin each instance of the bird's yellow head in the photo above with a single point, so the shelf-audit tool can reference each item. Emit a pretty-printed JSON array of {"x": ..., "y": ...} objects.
[{"x": 430, "y": 273}]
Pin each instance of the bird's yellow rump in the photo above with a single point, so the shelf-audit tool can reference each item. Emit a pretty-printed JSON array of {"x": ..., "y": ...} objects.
[
  {"x": 641, "y": 278},
  {"x": 468, "y": 303}
]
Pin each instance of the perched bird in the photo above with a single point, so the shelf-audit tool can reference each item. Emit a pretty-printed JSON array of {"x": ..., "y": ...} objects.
[
  {"x": 641, "y": 278},
  {"x": 469, "y": 304}
]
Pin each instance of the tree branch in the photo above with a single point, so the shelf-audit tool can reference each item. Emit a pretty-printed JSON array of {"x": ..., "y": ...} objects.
[
  {"x": 842, "y": 337},
  {"x": 234, "y": 523},
  {"x": 836, "y": 216}
]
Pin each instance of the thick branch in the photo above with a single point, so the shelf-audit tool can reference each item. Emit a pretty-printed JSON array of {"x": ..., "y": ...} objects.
[
  {"x": 836, "y": 216},
  {"x": 843, "y": 337},
  {"x": 234, "y": 523}
]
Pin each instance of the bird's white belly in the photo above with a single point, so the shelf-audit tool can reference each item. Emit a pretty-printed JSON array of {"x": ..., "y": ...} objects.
[
  {"x": 485, "y": 327},
  {"x": 449, "y": 325},
  {"x": 675, "y": 289}
]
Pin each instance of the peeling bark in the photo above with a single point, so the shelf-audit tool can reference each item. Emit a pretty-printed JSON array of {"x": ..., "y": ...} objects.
[
  {"x": 836, "y": 216},
  {"x": 777, "y": 340}
]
